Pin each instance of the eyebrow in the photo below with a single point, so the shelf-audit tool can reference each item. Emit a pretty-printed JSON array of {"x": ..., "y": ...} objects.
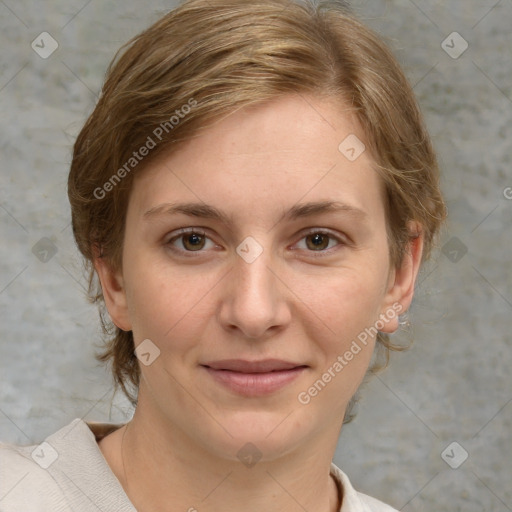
[{"x": 205, "y": 211}]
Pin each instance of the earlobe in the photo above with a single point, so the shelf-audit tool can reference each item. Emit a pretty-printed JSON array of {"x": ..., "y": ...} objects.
[
  {"x": 403, "y": 279},
  {"x": 114, "y": 293}
]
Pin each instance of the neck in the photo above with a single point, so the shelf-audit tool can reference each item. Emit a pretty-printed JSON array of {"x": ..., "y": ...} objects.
[{"x": 161, "y": 466}]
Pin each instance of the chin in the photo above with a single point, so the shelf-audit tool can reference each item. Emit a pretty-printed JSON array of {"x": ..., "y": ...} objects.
[{"x": 268, "y": 434}]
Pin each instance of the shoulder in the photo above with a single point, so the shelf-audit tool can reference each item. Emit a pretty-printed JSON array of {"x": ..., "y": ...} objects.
[
  {"x": 65, "y": 472},
  {"x": 375, "y": 505},
  {"x": 354, "y": 501},
  {"x": 25, "y": 484}
]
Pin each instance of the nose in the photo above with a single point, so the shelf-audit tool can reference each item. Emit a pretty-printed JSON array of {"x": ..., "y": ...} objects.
[{"x": 255, "y": 301}]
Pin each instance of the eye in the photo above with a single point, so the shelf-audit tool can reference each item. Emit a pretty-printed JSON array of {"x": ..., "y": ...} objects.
[
  {"x": 321, "y": 241},
  {"x": 191, "y": 240}
]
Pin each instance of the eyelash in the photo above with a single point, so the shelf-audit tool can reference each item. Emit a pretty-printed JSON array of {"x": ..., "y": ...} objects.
[{"x": 198, "y": 231}]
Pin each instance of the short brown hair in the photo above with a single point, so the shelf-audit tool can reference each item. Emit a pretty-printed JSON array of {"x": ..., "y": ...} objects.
[{"x": 208, "y": 58}]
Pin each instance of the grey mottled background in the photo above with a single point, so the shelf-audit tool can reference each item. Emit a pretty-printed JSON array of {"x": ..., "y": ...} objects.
[{"x": 453, "y": 385}]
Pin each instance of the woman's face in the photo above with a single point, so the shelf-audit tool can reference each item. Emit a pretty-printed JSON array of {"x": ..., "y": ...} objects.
[{"x": 277, "y": 275}]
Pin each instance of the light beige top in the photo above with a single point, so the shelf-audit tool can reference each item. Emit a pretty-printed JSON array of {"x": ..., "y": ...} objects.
[{"x": 68, "y": 472}]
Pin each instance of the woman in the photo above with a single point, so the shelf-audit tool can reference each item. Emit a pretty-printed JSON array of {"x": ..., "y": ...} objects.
[{"x": 255, "y": 193}]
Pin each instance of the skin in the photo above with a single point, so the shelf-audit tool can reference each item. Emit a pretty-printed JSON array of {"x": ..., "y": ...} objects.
[{"x": 181, "y": 446}]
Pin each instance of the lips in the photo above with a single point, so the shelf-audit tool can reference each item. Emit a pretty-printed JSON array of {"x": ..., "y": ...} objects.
[
  {"x": 253, "y": 378},
  {"x": 243, "y": 366}
]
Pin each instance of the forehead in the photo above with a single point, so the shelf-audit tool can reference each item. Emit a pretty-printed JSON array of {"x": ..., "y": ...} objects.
[{"x": 267, "y": 156}]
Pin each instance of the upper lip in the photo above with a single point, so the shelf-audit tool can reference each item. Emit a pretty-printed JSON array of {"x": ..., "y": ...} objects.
[{"x": 242, "y": 366}]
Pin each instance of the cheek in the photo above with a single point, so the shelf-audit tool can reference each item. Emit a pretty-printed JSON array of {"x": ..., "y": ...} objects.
[
  {"x": 342, "y": 311},
  {"x": 166, "y": 302},
  {"x": 341, "y": 326},
  {"x": 343, "y": 304}
]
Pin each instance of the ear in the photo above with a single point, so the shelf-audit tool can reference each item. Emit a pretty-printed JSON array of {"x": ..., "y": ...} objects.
[
  {"x": 114, "y": 293},
  {"x": 402, "y": 280}
]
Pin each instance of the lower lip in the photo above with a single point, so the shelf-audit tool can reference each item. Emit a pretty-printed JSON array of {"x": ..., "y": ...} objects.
[{"x": 255, "y": 384}]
